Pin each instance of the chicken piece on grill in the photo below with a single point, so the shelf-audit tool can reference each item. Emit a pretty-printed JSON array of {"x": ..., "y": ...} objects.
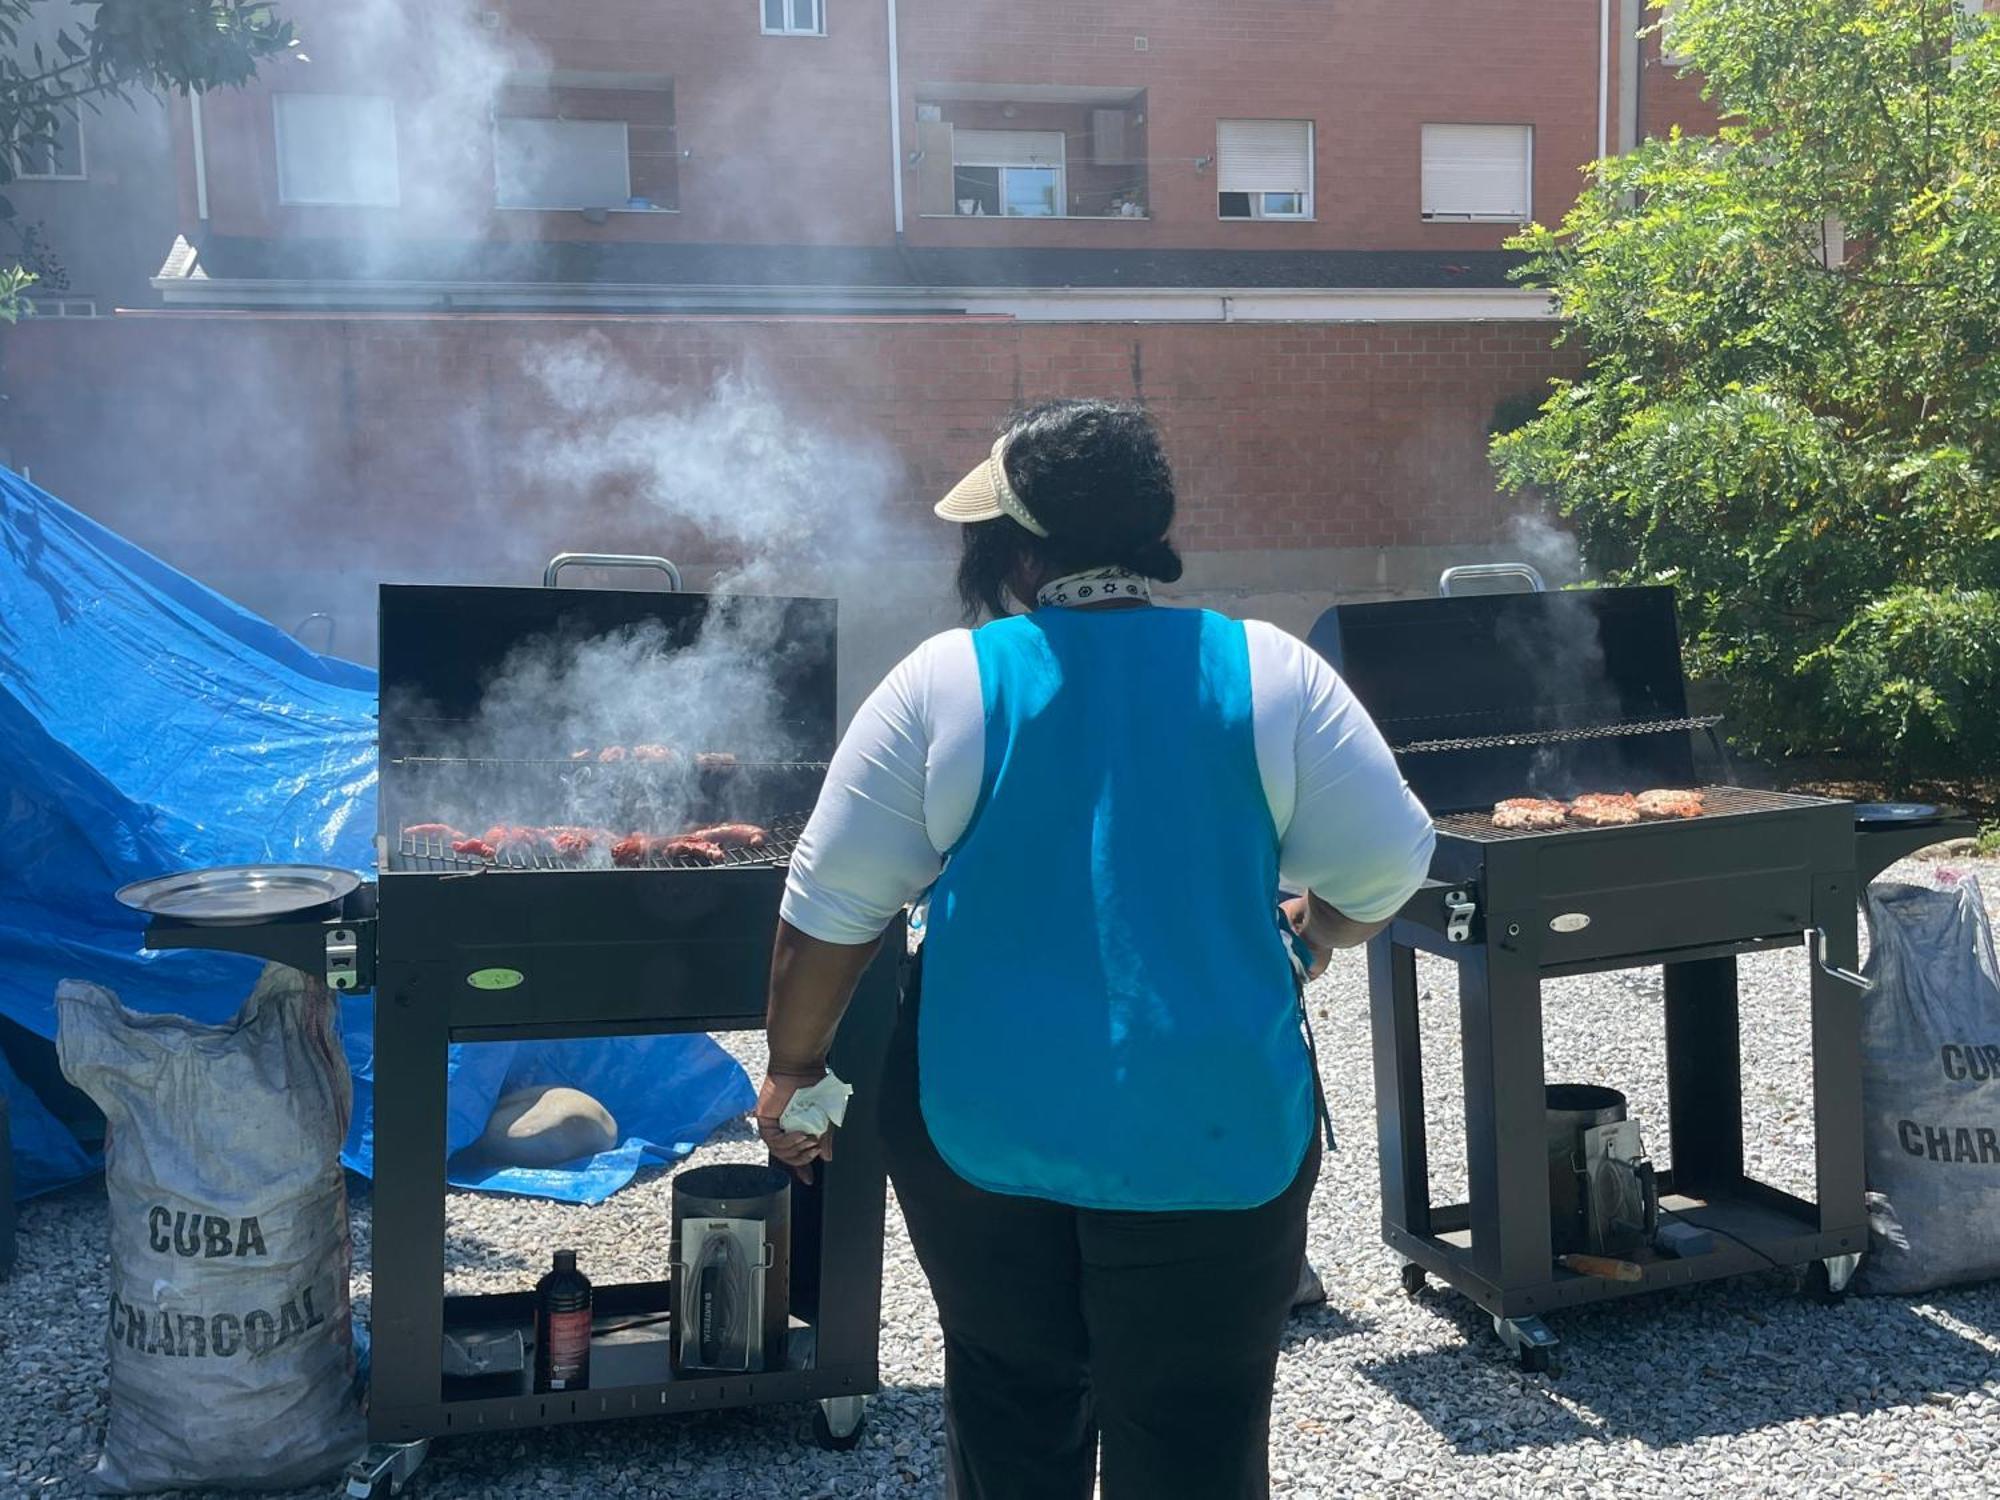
[
  {"x": 1664, "y": 803},
  {"x": 514, "y": 840},
  {"x": 687, "y": 846},
  {"x": 630, "y": 850},
  {"x": 610, "y": 755},
  {"x": 1529, "y": 814},
  {"x": 733, "y": 835},
  {"x": 583, "y": 755},
  {"x": 473, "y": 848},
  {"x": 715, "y": 760},
  {"x": 575, "y": 843},
  {"x": 653, "y": 752},
  {"x": 1605, "y": 809},
  {"x": 432, "y": 831}
]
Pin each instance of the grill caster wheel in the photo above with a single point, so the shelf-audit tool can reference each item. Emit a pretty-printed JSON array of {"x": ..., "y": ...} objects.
[
  {"x": 839, "y": 1423},
  {"x": 1826, "y": 1281},
  {"x": 1414, "y": 1279},
  {"x": 1531, "y": 1343},
  {"x": 1536, "y": 1360}
]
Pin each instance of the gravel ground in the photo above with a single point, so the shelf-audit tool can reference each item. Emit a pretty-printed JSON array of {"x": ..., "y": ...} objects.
[{"x": 1737, "y": 1388}]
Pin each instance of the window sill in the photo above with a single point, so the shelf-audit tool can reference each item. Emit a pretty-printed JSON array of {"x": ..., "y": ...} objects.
[
  {"x": 1267, "y": 219},
  {"x": 1518, "y": 223},
  {"x": 796, "y": 36},
  {"x": 1044, "y": 218},
  {"x": 522, "y": 208},
  {"x": 58, "y": 177}
]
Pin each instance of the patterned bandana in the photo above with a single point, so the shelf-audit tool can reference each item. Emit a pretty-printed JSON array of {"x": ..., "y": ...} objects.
[{"x": 1094, "y": 587}]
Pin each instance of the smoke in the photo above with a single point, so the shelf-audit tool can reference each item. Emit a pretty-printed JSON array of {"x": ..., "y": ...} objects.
[
  {"x": 1552, "y": 553},
  {"x": 778, "y": 502},
  {"x": 620, "y": 731}
]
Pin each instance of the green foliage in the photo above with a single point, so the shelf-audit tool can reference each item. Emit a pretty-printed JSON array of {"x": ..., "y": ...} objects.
[
  {"x": 1807, "y": 446},
  {"x": 59, "y": 56}
]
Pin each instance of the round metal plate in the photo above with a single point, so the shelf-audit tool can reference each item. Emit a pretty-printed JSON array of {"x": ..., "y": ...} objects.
[
  {"x": 236, "y": 895},
  {"x": 1896, "y": 812}
]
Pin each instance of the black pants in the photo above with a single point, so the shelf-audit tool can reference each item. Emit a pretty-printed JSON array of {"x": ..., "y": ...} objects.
[{"x": 1155, "y": 1334}]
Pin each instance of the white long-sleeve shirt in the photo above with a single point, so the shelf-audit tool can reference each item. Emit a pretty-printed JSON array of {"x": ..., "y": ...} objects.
[{"x": 905, "y": 781}]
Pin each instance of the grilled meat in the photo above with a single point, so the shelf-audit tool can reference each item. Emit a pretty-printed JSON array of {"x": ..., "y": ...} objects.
[
  {"x": 1664, "y": 803},
  {"x": 733, "y": 835},
  {"x": 630, "y": 850},
  {"x": 653, "y": 752},
  {"x": 476, "y": 848},
  {"x": 610, "y": 755},
  {"x": 432, "y": 831},
  {"x": 687, "y": 846},
  {"x": 1529, "y": 814},
  {"x": 715, "y": 760},
  {"x": 1605, "y": 809}
]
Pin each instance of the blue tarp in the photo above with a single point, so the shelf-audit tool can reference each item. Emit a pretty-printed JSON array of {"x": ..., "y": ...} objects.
[{"x": 147, "y": 724}]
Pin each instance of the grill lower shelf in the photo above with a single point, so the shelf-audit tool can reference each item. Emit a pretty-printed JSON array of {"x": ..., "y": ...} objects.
[{"x": 434, "y": 856}]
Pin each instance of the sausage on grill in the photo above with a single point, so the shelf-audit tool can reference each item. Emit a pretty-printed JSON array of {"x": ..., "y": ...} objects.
[
  {"x": 475, "y": 848},
  {"x": 733, "y": 835},
  {"x": 653, "y": 752},
  {"x": 692, "y": 846}
]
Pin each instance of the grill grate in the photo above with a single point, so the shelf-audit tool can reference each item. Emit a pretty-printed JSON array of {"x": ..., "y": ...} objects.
[
  {"x": 1721, "y": 802},
  {"x": 434, "y": 856},
  {"x": 1560, "y": 736}
]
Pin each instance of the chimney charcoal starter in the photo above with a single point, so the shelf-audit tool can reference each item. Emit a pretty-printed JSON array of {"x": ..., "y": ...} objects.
[
  {"x": 1486, "y": 697},
  {"x": 530, "y": 945}
]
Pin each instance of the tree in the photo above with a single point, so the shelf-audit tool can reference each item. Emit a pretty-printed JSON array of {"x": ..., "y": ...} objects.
[
  {"x": 89, "y": 53},
  {"x": 1791, "y": 402}
]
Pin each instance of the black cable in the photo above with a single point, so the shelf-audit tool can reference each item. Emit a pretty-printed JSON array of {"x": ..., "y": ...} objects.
[{"x": 1673, "y": 1213}]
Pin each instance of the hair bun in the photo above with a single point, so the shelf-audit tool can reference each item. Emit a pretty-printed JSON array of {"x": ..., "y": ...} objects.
[{"x": 1158, "y": 560}]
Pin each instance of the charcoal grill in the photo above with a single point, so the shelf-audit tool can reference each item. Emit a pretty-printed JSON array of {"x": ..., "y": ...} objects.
[
  {"x": 1490, "y": 696},
  {"x": 531, "y": 946}
]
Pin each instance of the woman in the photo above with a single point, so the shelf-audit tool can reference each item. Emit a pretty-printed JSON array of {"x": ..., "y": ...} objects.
[{"x": 1099, "y": 1106}]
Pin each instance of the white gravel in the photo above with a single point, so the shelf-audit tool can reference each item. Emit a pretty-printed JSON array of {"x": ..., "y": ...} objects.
[{"x": 1736, "y": 1388}]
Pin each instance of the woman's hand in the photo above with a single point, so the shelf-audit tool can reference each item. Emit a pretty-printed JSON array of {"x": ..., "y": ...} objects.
[
  {"x": 794, "y": 1148},
  {"x": 1298, "y": 912}
]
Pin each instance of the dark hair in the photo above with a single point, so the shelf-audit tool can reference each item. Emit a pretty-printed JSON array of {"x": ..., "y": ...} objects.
[{"x": 1094, "y": 474}]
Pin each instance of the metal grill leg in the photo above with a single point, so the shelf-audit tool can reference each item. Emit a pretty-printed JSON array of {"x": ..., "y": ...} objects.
[
  {"x": 1399, "y": 1085},
  {"x": 1506, "y": 1118}
]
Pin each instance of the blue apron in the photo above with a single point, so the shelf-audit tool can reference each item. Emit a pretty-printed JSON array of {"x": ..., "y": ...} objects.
[{"x": 1109, "y": 1015}]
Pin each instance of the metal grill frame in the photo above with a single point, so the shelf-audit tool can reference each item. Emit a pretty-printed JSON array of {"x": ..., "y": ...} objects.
[
  {"x": 1560, "y": 736},
  {"x": 435, "y": 857},
  {"x": 1720, "y": 802}
]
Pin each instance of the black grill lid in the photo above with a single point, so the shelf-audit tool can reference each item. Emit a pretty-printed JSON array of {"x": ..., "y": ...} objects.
[{"x": 1567, "y": 692}]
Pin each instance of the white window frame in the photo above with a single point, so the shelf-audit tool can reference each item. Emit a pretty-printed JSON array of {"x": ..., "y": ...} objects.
[
  {"x": 395, "y": 198},
  {"x": 791, "y": 26},
  {"x": 1308, "y": 203},
  {"x": 622, "y": 206},
  {"x": 1527, "y": 213},
  {"x": 1060, "y": 168},
  {"x": 82, "y": 172}
]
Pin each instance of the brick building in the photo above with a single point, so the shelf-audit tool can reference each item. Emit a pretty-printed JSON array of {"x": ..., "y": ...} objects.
[{"x": 1278, "y": 222}]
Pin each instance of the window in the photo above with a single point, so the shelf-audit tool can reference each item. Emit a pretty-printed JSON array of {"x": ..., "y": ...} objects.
[
  {"x": 1670, "y": 13},
  {"x": 63, "y": 307},
  {"x": 1264, "y": 169},
  {"x": 794, "y": 17},
  {"x": 58, "y": 159},
  {"x": 1016, "y": 174},
  {"x": 1481, "y": 173},
  {"x": 336, "y": 149},
  {"x": 586, "y": 141},
  {"x": 561, "y": 164}
]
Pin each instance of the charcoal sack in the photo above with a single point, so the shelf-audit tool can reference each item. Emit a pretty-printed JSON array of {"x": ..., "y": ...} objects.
[
  {"x": 1930, "y": 1089},
  {"x": 229, "y": 1336}
]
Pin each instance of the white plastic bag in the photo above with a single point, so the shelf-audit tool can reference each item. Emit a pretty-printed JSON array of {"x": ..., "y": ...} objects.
[{"x": 230, "y": 1341}]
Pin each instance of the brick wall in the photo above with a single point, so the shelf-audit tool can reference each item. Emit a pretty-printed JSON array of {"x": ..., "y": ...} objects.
[
  {"x": 789, "y": 137},
  {"x": 296, "y": 460}
]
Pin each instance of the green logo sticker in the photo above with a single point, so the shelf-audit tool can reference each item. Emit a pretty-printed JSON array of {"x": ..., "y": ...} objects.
[{"x": 494, "y": 979}]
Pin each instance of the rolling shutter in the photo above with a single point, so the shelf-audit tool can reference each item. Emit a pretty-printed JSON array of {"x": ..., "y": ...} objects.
[
  {"x": 1263, "y": 156},
  {"x": 1477, "y": 172},
  {"x": 1007, "y": 148}
]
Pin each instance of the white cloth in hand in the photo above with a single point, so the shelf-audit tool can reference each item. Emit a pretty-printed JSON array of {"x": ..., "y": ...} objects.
[{"x": 813, "y": 1111}]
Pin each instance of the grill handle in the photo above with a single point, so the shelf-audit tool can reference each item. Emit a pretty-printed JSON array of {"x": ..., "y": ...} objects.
[
  {"x": 562, "y": 560},
  {"x": 1816, "y": 942},
  {"x": 1467, "y": 571}
]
